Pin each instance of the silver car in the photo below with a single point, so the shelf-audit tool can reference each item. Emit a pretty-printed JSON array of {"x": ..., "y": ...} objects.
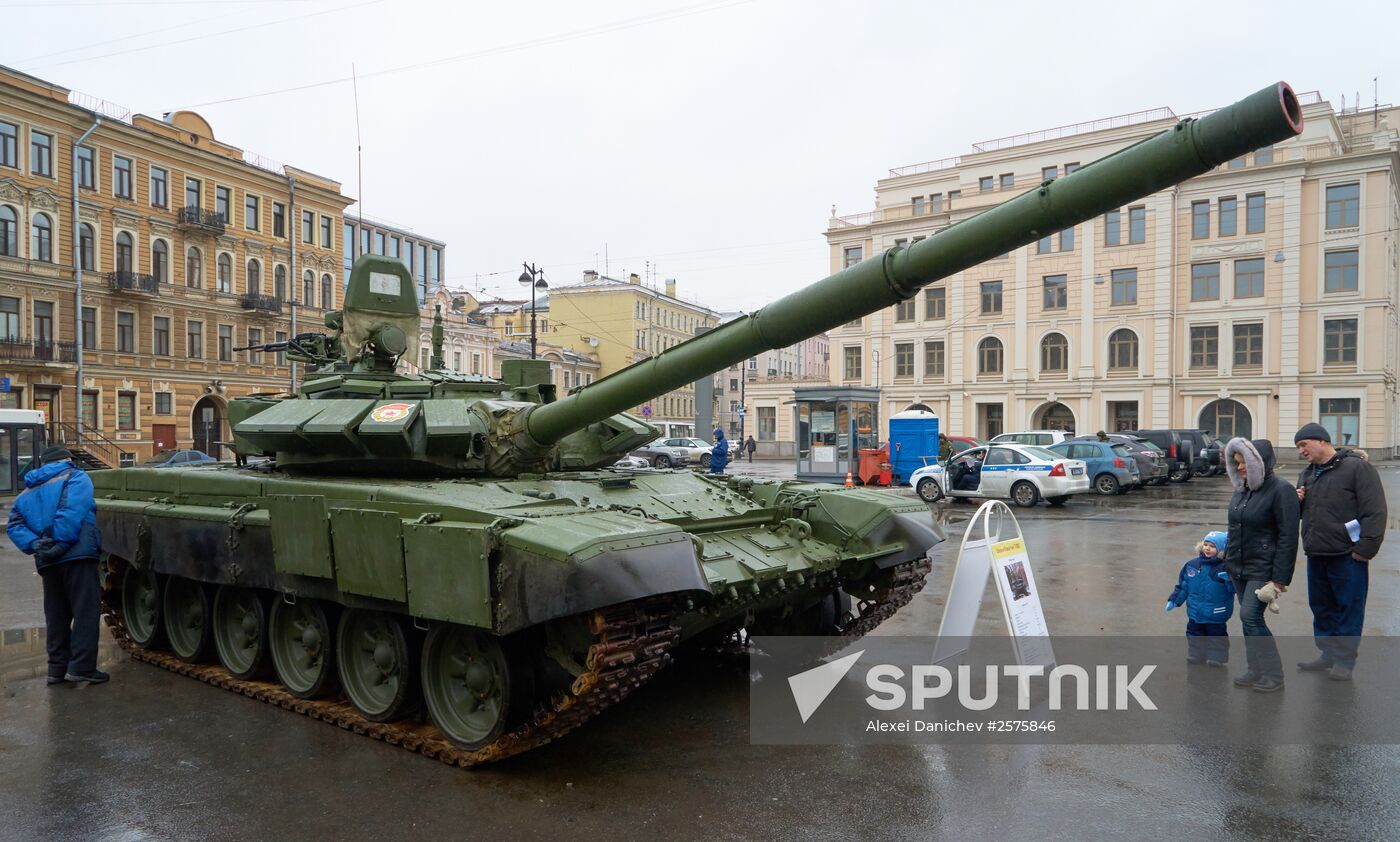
[{"x": 675, "y": 452}]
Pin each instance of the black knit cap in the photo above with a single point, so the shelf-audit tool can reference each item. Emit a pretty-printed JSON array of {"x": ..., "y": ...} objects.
[
  {"x": 55, "y": 453},
  {"x": 1312, "y": 430}
]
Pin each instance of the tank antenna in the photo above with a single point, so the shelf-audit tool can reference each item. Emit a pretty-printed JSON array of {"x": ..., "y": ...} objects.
[{"x": 359, "y": 146}]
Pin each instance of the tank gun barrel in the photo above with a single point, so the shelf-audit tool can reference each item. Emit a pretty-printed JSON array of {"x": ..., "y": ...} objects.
[{"x": 1188, "y": 149}]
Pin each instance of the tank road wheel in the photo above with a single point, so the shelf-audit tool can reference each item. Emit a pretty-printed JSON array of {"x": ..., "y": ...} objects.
[
  {"x": 187, "y": 619},
  {"x": 240, "y": 630},
  {"x": 303, "y": 649},
  {"x": 141, "y": 606},
  {"x": 469, "y": 684},
  {"x": 376, "y": 670}
]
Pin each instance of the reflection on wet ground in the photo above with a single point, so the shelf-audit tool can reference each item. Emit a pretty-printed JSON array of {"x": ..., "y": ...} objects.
[{"x": 155, "y": 756}]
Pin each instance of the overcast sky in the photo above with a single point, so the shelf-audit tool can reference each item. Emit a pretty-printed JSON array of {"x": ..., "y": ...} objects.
[{"x": 710, "y": 137}]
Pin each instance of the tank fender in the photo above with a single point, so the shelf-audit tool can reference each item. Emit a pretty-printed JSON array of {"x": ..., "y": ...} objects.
[
  {"x": 533, "y": 589},
  {"x": 227, "y": 546}
]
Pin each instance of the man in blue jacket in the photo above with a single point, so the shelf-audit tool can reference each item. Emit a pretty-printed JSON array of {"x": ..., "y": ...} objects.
[
  {"x": 55, "y": 520},
  {"x": 719, "y": 454}
]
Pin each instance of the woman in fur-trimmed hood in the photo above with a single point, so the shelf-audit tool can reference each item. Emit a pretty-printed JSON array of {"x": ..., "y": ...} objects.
[{"x": 1262, "y": 549}]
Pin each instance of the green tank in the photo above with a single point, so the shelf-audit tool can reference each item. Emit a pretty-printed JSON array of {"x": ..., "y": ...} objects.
[{"x": 449, "y": 563}]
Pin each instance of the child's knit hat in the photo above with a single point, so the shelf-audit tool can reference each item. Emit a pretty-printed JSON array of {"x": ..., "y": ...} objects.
[{"x": 1218, "y": 539}]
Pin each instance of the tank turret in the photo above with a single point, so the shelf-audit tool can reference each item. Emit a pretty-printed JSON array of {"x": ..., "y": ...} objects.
[{"x": 361, "y": 413}]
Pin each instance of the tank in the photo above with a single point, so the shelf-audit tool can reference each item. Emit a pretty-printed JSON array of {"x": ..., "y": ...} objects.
[{"x": 450, "y": 564}]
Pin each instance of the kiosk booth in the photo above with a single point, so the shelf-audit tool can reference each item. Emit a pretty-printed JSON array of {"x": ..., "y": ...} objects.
[
  {"x": 834, "y": 423},
  {"x": 21, "y": 440}
]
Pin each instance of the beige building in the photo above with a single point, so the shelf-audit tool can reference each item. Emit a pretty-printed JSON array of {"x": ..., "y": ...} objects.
[
  {"x": 626, "y": 321},
  {"x": 468, "y": 346},
  {"x": 188, "y": 248},
  {"x": 568, "y": 369},
  {"x": 1247, "y": 301}
]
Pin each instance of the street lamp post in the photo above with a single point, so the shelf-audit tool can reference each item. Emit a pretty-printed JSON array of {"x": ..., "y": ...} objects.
[{"x": 533, "y": 277}]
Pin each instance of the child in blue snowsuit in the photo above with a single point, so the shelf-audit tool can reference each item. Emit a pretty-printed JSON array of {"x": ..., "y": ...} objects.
[{"x": 1205, "y": 586}]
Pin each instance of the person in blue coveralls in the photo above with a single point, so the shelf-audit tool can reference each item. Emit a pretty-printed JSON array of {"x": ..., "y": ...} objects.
[
  {"x": 55, "y": 520},
  {"x": 1204, "y": 585},
  {"x": 719, "y": 454}
]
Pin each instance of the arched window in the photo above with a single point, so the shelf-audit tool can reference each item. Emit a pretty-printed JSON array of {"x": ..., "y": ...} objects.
[
  {"x": 87, "y": 247},
  {"x": 160, "y": 261},
  {"x": 1056, "y": 416},
  {"x": 308, "y": 288},
  {"x": 254, "y": 278},
  {"x": 225, "y": 272},
  {"x": 1226, "y": 419},
  {"x": 194, "y": 268},
  {"x": 1123, "y": 349},
  {"x": 41, "y": 248},
  {"x": 1054, "y": 352},
  {"x": 989, "y": 355},
  {"x": 279, "y": 282},
  {"x": 124, "y": 252},
  {"x": 326, "y": 302},
  {"x": 9, "y": 231}
]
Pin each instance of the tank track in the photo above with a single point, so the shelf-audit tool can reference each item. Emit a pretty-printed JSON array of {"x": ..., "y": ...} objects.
[
  {"x": 905, "y": 581},
  {"x": 633, "y": 643}
]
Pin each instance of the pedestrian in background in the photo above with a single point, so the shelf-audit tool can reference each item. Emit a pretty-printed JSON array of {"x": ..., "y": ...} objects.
[
  {"x": 1205, "y": 586},
  {"x": 55, "y": 520},
  {"x": 749, "y": 447},
  {"x": 1344, "y": 516},
  {"x": 719, "y": 454},
  {"x": 1261, "y": 550}
]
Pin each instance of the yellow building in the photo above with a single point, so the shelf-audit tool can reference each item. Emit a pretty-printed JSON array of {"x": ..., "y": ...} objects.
[
  {"x": 625, "y": 322},
  {"x": 187, "y": 248},
  {"x": 1246, "y": 301}
]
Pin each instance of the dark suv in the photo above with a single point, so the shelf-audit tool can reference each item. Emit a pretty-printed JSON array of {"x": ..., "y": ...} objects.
[
  {"x": 1177, "y": 449},
  {"x": 1199, "y": 442}
]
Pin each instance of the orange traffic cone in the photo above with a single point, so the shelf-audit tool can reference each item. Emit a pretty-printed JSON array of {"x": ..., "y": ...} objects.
[{"x": 850, "y": 483}]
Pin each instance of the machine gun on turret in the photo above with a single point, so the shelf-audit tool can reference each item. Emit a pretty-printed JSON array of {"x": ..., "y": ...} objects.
[{"x": 314, "y": 349}]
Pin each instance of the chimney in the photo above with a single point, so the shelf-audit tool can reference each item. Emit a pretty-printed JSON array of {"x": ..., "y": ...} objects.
[
  {"x": 671, "y": 287},
  {"x": 634, "y": 278}
]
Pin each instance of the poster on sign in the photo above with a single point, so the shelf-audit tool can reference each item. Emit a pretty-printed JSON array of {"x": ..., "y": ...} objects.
[{"x": 1020, "y": 601}]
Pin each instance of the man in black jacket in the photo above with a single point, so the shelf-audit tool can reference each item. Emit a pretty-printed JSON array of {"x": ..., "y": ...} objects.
[
  {"x": 1262, "y": 549},
  {"x": 1344, "y": 515}
]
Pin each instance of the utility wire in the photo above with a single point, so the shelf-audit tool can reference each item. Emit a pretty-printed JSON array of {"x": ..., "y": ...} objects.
[
  {"x": 565, "y": 37},
  {"x": 143, "y": 34},
  {"x": 207, "y": 35}
]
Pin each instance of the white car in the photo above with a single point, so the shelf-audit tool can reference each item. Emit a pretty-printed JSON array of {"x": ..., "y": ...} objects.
[
  {"x": 1021, "y": 473},
  {"x": 1039, "y": 438}
]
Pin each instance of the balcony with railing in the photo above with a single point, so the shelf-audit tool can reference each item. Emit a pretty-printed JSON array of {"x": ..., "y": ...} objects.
[
  {"x": 199, "y": 220},
  {"x": 260, "y": 303},
  {"x": 14, "y": 349},
  {"x": 126, "y": 281}
]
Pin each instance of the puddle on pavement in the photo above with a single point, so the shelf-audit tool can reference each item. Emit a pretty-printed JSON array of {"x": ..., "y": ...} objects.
[{"x": 24, "y": 654}]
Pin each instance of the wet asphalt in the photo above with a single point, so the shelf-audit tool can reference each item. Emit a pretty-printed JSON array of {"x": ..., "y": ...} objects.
[{"x": 156, "y": 756}]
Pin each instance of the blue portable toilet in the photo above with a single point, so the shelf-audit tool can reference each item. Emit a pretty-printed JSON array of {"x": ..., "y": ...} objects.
[{"x": 913, "y": 442}]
